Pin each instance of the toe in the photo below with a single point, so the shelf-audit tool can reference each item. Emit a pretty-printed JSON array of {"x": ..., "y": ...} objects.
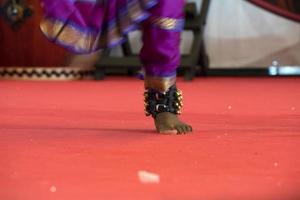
[
  {"x": 180, "y": 130},
  {"x": 185, "y": 128},
  {"x": 189, "y": 129}
]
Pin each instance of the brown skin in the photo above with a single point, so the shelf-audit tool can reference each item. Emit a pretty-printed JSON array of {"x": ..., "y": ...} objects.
[{"x": 168, "y": 123}]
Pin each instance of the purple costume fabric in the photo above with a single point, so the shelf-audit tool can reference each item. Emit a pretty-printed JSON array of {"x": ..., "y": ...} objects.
[
  {"x": 85, "y": 26},
  {"x": 160, "y": 53}
]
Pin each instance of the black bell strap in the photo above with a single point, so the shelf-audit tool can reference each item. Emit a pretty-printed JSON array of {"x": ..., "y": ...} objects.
[{"x": 159, "y": 102}]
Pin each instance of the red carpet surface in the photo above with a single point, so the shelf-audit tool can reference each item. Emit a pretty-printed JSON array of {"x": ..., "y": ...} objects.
[{"x": 89, "y": 140}]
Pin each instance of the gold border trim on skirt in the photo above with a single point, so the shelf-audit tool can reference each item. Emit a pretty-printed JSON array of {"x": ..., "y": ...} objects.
[{"x": 168, "y": 23}]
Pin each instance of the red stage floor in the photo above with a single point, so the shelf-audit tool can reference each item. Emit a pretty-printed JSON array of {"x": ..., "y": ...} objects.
[{"x": 88, "y": 140}]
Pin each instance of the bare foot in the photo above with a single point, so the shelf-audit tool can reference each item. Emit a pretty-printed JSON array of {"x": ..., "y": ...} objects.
[{"x": 168, "y": 123}]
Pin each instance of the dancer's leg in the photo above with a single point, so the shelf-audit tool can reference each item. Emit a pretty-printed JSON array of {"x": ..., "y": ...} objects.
[{"x": 161, "y": 56}]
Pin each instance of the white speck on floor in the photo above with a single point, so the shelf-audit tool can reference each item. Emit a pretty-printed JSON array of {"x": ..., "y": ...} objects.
[
  {"x": 148, "y": 177},
  {"x": 52, "y": 188},
  {"x": 293, "y": 108}
]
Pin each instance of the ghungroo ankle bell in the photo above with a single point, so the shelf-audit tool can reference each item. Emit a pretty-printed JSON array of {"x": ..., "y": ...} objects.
[{"x": 158, "y": 102}]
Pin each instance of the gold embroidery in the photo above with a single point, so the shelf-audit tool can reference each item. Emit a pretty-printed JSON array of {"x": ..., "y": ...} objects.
[
  {"x": 68, "y": 35},
  {"x": 135, "y": 11},
  {"x": 165, "y": 22},
  {"x": 85, "y": 42}
]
